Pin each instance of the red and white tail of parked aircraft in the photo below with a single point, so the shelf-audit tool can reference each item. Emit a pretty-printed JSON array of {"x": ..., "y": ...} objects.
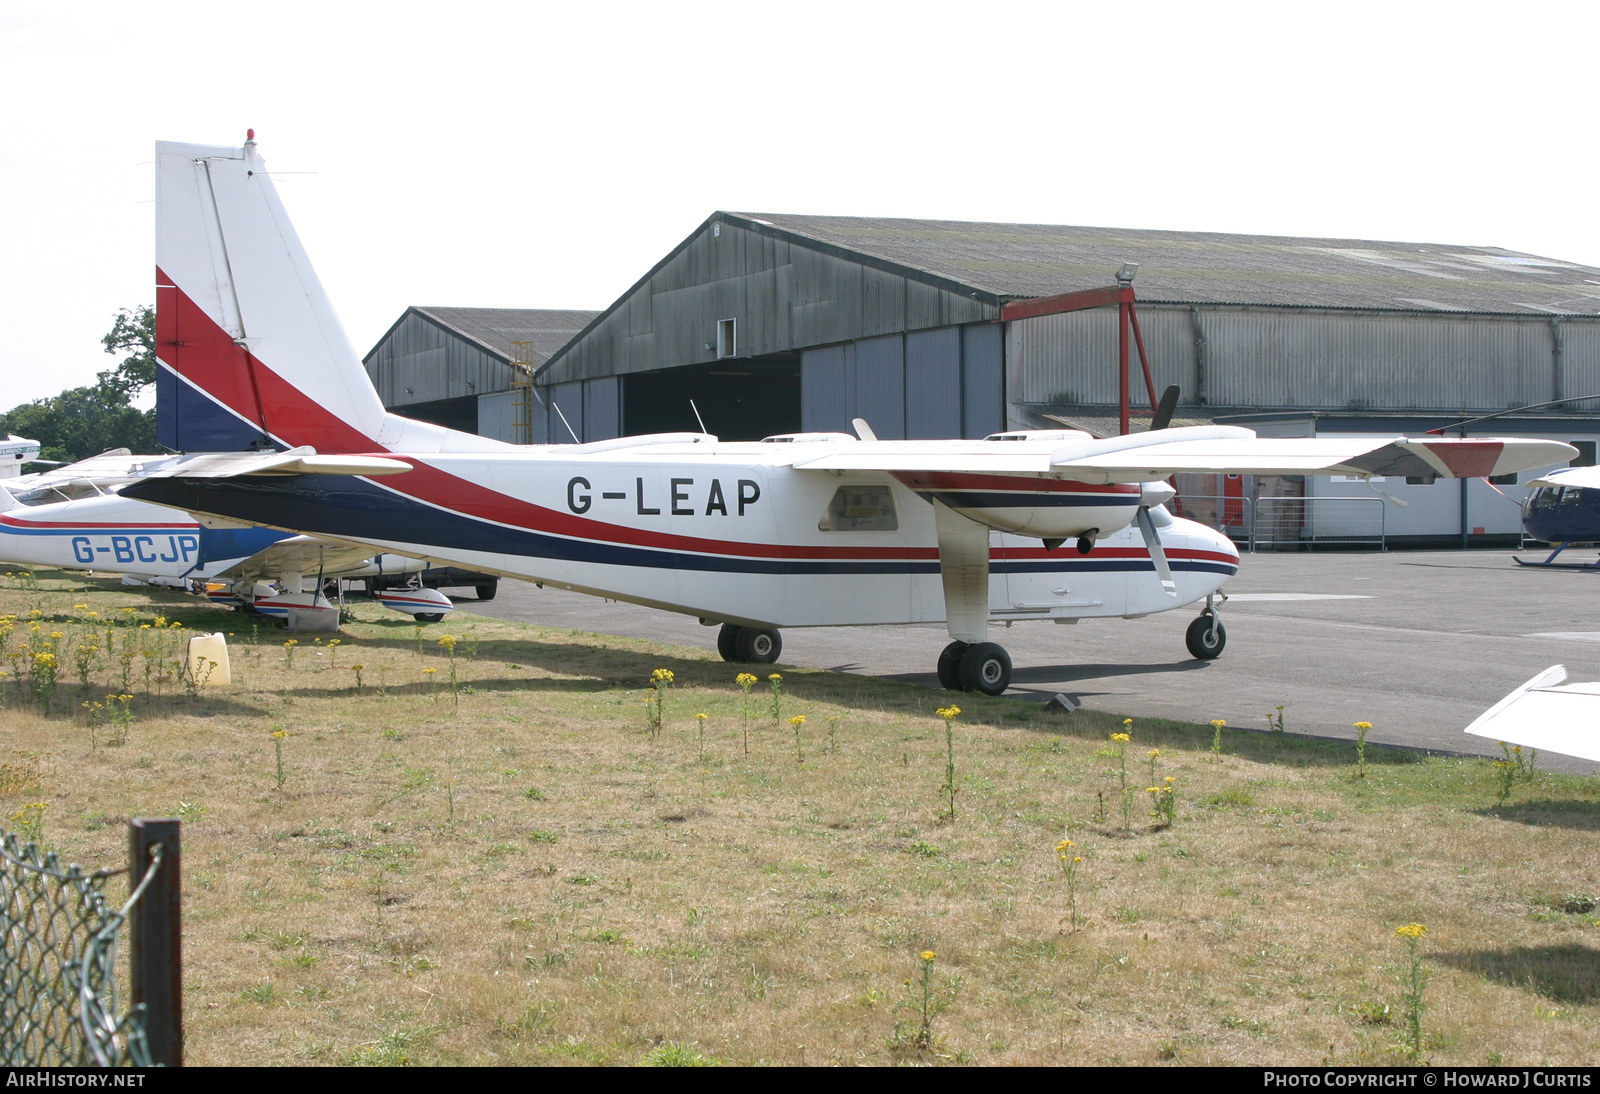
[{"x": 816, "y": 529}]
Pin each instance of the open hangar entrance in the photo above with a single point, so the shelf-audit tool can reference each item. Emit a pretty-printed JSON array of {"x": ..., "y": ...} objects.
[{"x": 741, "y": 399}]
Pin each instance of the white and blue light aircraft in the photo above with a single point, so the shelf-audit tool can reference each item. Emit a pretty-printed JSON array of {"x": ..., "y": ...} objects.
[{"x": 74, "y": 518}]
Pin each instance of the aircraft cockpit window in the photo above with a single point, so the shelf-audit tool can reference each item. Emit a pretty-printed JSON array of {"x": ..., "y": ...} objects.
[
  {"x": 860, "y": 509},
  {"x": 61, "y": 491},
  {"x": 1545, "y": 497},
  {"x": 1570, "y": 495}
]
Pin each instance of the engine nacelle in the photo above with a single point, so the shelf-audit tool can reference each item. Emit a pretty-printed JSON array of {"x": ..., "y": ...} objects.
[{"x": 1039, "y": 506}]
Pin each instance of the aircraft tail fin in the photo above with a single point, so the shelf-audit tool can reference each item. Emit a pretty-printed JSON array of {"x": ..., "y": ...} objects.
[{"x": 250, "y": 352}]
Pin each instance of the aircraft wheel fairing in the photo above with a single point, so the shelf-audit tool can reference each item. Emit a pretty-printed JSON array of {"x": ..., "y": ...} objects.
[
  {"x": 728, "y": 642},
  {"x": 1200, "y": 639},
  {"x": 758, "y": 647},
  {"x": 986, "y": 667},
  {"x": 950, "y": 666}
]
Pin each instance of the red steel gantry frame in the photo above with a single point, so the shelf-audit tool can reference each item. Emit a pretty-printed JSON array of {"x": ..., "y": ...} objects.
[{"x": 1120, "y": 295}]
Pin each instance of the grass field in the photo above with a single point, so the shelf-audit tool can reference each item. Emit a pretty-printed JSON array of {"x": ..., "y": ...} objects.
[{"x": 517, "y": 871}]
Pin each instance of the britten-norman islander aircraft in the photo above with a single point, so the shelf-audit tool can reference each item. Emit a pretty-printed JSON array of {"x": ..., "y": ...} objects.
[{"x": 809, "y": 529}]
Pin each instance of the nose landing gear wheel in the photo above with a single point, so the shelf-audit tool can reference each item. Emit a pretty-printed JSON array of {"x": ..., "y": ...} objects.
[
  {"x": 1204, "y": 642},
  {"x": 986, "y": 667},
  {"x": 950, "y": 666}
]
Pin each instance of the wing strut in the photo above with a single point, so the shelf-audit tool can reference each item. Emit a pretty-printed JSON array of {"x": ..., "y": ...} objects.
[{"x": 964, "y": 569}]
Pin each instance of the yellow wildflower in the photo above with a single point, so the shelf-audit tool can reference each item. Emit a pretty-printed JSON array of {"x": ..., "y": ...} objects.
[
  {"x": 776, "y": 677},
  {"x": 928, "y": 955},
  {"x": 948, "y": 712},
  {"x": 448, "y": 641},
  {"x": 797, "y": 721},
  {"x": 745, "y": 680},
  {"x": 1218, "y": 723},
  {"x": 279, "y": 734},
  {"x": 1362, "y": 725},
  {"x": 1412, "y": 931},
  {"x": 661, "y": 676},
  {"x": 1121, "y": 737}
]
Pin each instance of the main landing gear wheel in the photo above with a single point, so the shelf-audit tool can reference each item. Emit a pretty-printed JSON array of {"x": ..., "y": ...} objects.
[
  {"x": 429, "y": 617},
  {"x": 950, "y": 666},
  {"x": 985, "y": 667},
  {"x": 1204, "y": 642},
  {"x": 749, "y": 645}
]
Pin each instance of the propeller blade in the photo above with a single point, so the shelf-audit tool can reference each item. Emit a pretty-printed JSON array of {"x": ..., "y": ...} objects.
[
  {"x": 1163, "y": 415},
  {"x": 1158, "y": 554}
]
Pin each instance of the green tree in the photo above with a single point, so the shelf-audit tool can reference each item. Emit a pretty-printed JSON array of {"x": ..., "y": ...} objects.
[
  {"x": 132, "y": 333},
  {"x": 85, "y": 421}
]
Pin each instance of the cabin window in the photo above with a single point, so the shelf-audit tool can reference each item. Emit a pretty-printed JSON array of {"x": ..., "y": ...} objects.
[
  {"x": 1545, "y": 497},
  {"x": 1570, "y": 495},
  {"x": 868, "y": 508}
]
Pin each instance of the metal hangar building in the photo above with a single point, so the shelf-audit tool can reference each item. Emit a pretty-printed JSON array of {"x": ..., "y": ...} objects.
[{"x": 775, "y": 323}]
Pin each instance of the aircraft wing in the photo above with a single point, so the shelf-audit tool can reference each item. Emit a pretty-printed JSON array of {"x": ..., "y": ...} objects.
[
  {"x": 298, "y": 554},
  {"x": 1586, "y": 478},
  {"x": 1547, "y": 714},
  {"x": 1146, "y": 457}
]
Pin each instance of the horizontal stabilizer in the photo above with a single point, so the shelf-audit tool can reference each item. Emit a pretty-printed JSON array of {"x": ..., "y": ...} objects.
[
  {"x": 1547, "y": 714},
  {"x": 296, "y": 461}
]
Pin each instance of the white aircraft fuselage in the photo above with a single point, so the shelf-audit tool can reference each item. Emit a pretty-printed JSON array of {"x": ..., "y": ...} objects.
[{"x": 735, "y": 533}]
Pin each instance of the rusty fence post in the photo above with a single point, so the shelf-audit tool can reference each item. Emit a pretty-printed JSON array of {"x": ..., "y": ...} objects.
[{"x": 155, "y": 937}]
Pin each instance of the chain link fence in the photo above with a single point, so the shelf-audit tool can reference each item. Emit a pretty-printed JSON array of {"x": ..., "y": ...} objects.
[{"x": 58, "y": 963}]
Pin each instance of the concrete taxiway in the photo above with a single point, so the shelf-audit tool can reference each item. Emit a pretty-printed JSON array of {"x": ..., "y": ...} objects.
[{"x": 1417, "y": 643}]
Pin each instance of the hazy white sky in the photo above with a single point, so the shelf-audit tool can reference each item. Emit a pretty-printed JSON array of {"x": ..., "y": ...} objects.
[{"x": 527, "y": 155}]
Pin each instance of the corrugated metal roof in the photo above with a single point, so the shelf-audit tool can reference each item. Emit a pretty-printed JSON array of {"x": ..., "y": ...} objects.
[
  {"x": 1027, "y": 260},
  {"x": 541, "y": 331}
]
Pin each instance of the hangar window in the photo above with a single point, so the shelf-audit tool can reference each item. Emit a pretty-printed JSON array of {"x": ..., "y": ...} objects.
[
  {"x": 1503, "y": 480},
  {"x": 727, "y": 338},
  {"x": 1585, "y": 456},
  {"x": 860, "y": 509}
]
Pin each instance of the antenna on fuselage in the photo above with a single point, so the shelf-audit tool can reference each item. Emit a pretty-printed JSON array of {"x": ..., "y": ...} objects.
[
  {"x": 697, "y": 417},
  {"x": 575, "y": 438}
]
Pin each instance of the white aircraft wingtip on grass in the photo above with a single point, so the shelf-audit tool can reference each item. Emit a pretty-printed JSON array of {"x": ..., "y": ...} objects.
[{"x": 1548, "y": 714}]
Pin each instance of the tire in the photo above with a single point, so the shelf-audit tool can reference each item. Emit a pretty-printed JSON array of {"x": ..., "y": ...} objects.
[
  {"x": 986, "y": 667},
  {"x": 1201, "y": 642},
  {"x": 429, "y": 617},
  {"x": 487, "y": 590},
  {"x": 728, "y": 642},
  {"x": 950, "y": 666},
  {"x": 758, "y": 647}
]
